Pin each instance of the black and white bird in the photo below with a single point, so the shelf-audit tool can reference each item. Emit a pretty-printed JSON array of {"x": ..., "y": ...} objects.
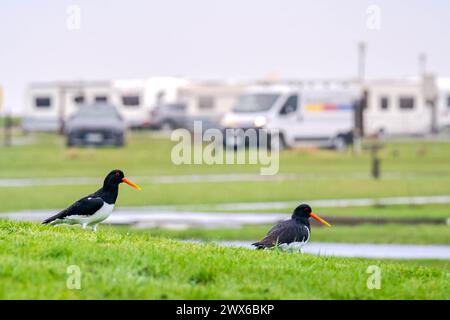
[
  {"x": 96, "y": 207},
  {"x": 295, "y": 231}
]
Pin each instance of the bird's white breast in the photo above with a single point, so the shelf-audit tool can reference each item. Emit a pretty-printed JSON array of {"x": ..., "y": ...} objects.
[
  {"x": 97, "y": 217},
  {"x": 102, "y": 213}
]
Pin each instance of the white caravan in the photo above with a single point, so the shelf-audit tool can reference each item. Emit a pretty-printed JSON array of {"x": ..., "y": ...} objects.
[
  {"x": 311, "y": 114},
  {"x": 396, "y": 107},
  {"x": 48, "y": 104},
  {"x": 443, "y": 102},
  {"x": 399, "y": 108}
]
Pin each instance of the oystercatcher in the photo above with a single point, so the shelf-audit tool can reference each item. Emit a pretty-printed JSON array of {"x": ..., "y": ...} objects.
[
  {"x": 296, "y": 230},
  {"x": 96, "y": 207}
]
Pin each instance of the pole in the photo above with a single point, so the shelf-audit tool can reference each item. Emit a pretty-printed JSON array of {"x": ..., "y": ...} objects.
[
  {"x": 62, "y": 111},
  {"x": 434, "y": 126},
  {"x": 7, "y": 129},
  {"x": 430, "y": 93},
  {"x": 375, "y": 163},
  {"x": 422, "y": 64},
  {"x": 361, "y": 61},
  {"x": 359, "y": 108}
]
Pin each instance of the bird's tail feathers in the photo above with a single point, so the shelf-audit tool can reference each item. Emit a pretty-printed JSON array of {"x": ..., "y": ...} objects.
[
  {"x": 258, "y": 245},
  {"x": 49, "y": 220},
  {"x": 52, "y": 218}
]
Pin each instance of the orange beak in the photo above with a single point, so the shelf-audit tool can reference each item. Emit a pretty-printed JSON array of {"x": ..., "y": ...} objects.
[
  {"x": 319, "y": 219},
  {"x": 128, "y": 182}
]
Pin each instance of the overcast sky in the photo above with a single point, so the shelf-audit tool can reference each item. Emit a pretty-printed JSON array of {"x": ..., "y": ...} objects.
[{"x": 213, "y": 39}]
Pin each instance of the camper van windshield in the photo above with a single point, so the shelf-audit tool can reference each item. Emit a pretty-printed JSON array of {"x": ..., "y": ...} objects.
[{"x": 255, "y": 102}]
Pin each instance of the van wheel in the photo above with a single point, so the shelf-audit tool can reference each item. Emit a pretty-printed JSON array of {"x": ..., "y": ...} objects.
[
  {"x": 277, "y": 144},
  {"x": 340, "y": 143},
  {"x": 167, "y": 126},
  {"x": 381, "y": 134},
  {"x": 69, "y": 142},
  {"x": 120, "y": 141}
]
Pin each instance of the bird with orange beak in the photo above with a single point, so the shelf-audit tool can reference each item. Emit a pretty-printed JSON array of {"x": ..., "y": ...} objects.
[
  {"x": 96, "y": 207},
  {"x": 296, "y": 230}
]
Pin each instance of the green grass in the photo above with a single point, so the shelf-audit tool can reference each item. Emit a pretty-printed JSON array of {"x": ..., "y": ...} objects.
[
  {"x": 391, "y": 233},
  {"x": 15, "y": 121},
  {"x": 119, "y": 263},
  {"x": 35, "y": 258},
  {"x": 212, "y": 193},
  {"x": 413, "y": 169},
  {"x": 431, "y": 211},
  {"x": 146, "y": 154}
]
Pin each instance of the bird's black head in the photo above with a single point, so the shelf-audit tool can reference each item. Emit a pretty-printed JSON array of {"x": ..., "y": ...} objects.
[
  {"x": 304, "y": 211},
  {"x": 116, "y": 177}
]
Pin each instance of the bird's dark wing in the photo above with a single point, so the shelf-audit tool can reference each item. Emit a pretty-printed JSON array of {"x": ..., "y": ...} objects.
[
  {"x": 284, "y": 232},
  {"x": 84, "y": 207}
]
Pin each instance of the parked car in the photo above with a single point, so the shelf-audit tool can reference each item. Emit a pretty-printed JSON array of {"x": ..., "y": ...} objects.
[
  {"x": 96, "y": 124},
  {"x": 169, "y": 116},
  {"x": 173, "y": 116}
]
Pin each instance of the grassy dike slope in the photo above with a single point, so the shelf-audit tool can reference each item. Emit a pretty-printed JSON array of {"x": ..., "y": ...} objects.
[{"x": 34, "y": 261}]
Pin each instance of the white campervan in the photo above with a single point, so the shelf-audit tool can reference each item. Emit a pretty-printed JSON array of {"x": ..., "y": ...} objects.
[
  {"x": 396, "y": 108},
  {"x": 443, "y": 102},
  {"x": 48, "y": 104},
  {"x": 319, "y": 115}
]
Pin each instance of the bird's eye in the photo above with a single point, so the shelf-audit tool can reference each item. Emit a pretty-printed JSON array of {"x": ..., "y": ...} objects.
[{"x": 117, "y": 174}]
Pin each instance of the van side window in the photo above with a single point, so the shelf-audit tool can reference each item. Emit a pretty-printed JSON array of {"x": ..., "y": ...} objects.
[
  {"x": 206, "y": 102},
  {"x": 406, "y": 103},
  {"x": 290, "y": 105},
  {"x": 384, "y": 103},
  {"x": 101, "y": 99},
  {"x": 131, "y": 100},
  {"x": 42, "y": 102},
  {"x": 78, "y": 99}
]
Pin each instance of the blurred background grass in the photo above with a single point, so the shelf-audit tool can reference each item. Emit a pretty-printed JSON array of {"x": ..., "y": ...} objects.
[{"x": 408, "y": 169}]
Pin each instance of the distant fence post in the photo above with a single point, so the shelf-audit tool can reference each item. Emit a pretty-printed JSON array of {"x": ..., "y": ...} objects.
[
  {"x": 375, "y": 166},
  {"x": 7, "y": 130},
  {"x": 373, "y": 148}
]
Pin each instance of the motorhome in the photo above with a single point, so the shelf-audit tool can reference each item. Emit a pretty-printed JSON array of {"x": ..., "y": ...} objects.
[
  {"x": 399, "y": 107},
  {"x": 443, "y": 102},
  {"x": 396, "y": 107},
  {"x": 300, "y": 113}
]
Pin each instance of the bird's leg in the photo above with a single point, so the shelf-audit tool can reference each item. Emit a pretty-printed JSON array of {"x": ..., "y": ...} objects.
[
  {"x": 94, "y": 227},
  {"x": 300, "y": 248},
  {"x": 84, "y": 225}
]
